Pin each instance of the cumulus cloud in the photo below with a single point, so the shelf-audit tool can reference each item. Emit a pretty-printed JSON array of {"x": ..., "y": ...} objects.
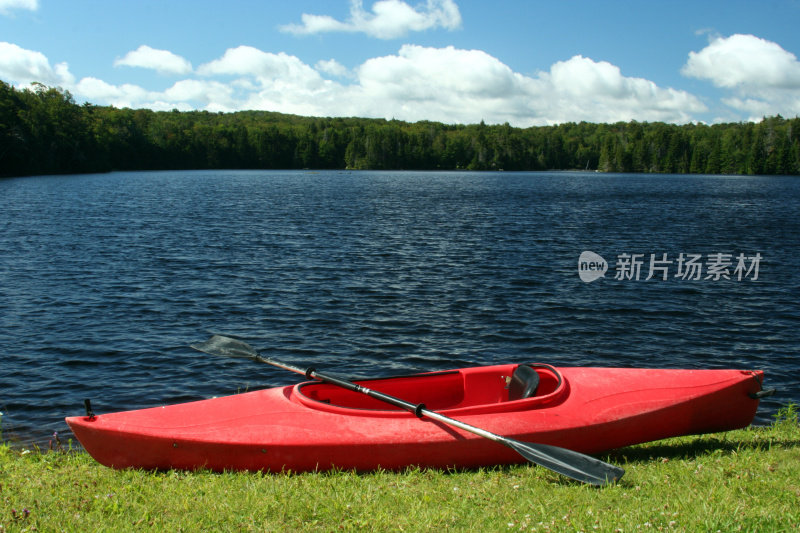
[
  {"x": 278, "y": 82},
  {"x": 162, "y": 61},
  {"x": 6, "y": 6},
  {"x": 264, "y": 66},
  {"x": 762, "y": 77},
  {"x": 583, "y": 89},
  {"x": 453, "y": 85},
  {"x": 443, "y": 84},
  {"x": 184, "y": 95},
  {"x": 212, "y": 95},
  {"x": 333, "y": 67},
  {"x": 388, "y": 19},
  {"x": 21, "y": 66},
  {"x": 450, "y": 85},
  {"x": 98, "y": 91}
]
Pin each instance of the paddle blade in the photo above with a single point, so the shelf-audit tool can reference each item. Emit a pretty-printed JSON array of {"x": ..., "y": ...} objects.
[
  {"x": 226, "y": 347},
  {"x": 574, "y": 465}
]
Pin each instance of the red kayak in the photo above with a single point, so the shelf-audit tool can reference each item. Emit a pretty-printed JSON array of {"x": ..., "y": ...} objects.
[{"x": 319, "y": 426}]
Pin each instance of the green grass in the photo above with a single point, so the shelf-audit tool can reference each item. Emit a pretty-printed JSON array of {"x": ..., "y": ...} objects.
[{"x": 745, "y": 480}]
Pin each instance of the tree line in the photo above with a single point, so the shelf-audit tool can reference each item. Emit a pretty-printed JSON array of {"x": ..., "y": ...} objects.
[{"x": 43, "y": 131}]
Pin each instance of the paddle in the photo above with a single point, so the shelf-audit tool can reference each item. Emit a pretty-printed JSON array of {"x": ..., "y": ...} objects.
[{"x": 569, "y": 463}]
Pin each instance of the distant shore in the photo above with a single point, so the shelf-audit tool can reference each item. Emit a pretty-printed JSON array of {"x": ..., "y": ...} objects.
[{"x": 44, "y": 131}]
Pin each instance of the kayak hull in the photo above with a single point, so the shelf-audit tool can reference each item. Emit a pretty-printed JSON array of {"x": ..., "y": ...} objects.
[{"x": 317, "y": 426}]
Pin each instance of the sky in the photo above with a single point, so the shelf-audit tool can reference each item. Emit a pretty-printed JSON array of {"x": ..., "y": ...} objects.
[{"x": 524, "y": 62}]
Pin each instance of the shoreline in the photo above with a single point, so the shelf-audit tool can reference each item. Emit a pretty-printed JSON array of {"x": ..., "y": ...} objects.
[{"x": 739, "y": 479}]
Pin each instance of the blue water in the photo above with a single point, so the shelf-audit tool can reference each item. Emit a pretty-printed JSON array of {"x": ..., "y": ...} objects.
[{"x": 106, "y": 279}]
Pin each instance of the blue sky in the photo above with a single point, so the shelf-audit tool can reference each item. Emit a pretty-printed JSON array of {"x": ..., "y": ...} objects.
[{"x": 524, "y": 62}]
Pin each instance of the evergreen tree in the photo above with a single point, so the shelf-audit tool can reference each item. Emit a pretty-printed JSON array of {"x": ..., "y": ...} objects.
[{"x": 42, "y": 130}]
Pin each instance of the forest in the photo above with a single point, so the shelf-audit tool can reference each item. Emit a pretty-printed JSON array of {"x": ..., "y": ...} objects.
[{"x": 44, "y": 131}]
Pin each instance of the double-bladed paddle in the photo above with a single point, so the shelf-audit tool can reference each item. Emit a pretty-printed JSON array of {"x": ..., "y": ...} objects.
[{"x": 569, "y": 463}]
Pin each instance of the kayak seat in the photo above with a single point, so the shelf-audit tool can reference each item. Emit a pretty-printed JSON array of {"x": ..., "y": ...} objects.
[{"x": 523, "y": 384}]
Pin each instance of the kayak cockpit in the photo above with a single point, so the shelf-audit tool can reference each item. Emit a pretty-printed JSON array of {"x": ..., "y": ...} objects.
[{"x": 472, "y": 390}]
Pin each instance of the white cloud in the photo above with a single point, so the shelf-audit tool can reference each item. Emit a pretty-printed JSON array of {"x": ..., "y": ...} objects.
[
  {"x": 583, "y": 89},
  {"x": 98, "y": 91},
  {"x": 333, "y": 67},
  {"x": 453, "y": 85},
  {"x": 264, "y": 66},
  {"x": 7, "y": 5},
  {"x": 763, "y": 77},
  {"x": 389, "y": 19},
  {"x": 276, "y": 82},
  {"x": 162, "y": 61},
  {"x": 744, "y": 60},
  {"x": 262, "y": 80},
  {"x": 21, "y": 66},
  {"x": 443, "y": 84},
  {"x": 214, "y": 95},
  {"x": 184, "y": 95}
]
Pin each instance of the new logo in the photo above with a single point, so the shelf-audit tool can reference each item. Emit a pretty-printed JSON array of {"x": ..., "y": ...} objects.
[{"x": 591, "y": 266}]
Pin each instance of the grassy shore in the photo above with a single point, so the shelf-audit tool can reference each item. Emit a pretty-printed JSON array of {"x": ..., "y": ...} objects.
[{"x": 745, "y": 480}]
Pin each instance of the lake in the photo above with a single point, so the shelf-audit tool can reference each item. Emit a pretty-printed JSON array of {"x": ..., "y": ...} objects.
[{"x": 106, "y": 279}]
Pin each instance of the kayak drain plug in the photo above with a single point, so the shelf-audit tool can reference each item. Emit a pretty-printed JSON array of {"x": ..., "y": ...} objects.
[{"x": 88, "y": 404}]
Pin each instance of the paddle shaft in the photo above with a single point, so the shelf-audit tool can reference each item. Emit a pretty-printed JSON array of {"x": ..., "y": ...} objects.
[
  {"x": 572, "y": 464},
  {"x": 418, "y": 409}
]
